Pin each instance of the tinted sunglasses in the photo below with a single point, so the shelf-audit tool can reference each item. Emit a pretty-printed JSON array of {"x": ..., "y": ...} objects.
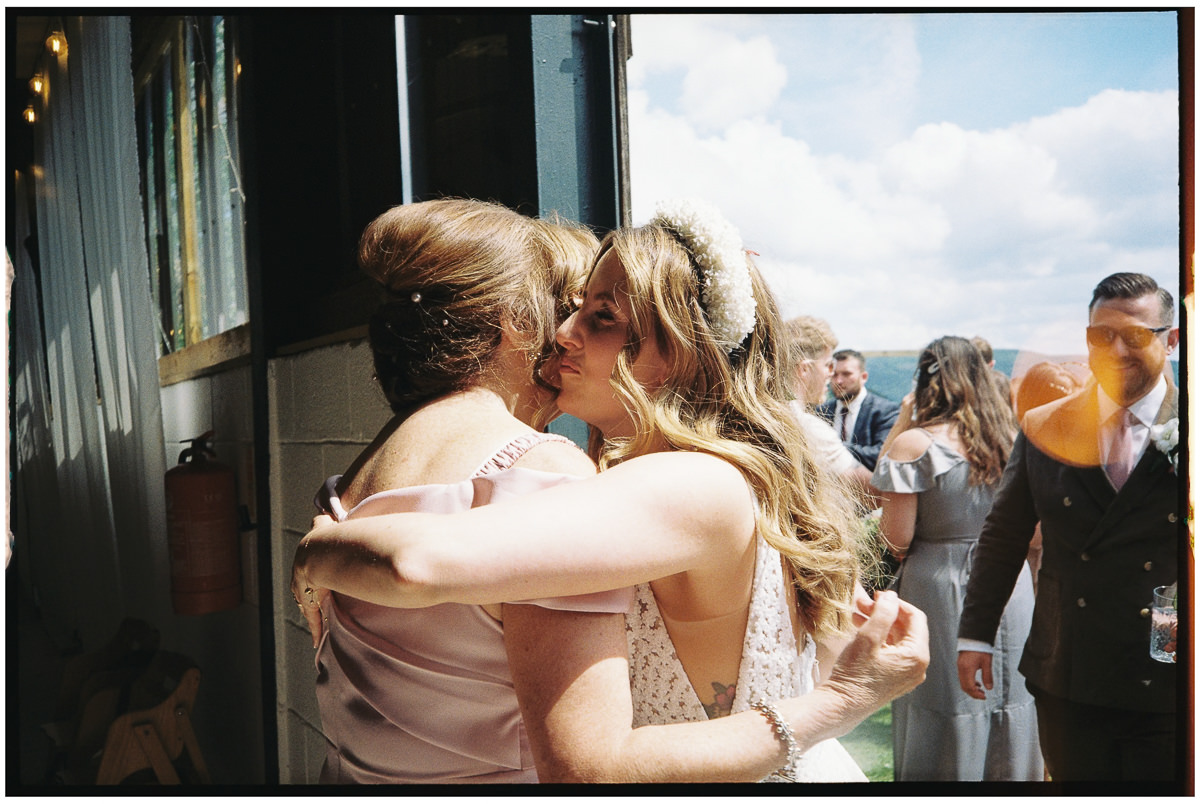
[{"x": 1135, "y": 337}]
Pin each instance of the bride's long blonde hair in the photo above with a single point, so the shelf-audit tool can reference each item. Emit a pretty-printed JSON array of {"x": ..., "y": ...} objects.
[{"x": 732, "y": 405}]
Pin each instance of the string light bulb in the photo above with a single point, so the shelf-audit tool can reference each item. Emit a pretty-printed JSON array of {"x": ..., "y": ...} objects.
[
  {"x": 36, "y": 84},
  {"x": 29, "y": 114},
  {"x": 56, "y": 43}
]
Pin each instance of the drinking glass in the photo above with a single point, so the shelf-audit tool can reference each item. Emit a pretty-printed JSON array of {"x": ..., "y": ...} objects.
[{"x": 1163, "y": 621}]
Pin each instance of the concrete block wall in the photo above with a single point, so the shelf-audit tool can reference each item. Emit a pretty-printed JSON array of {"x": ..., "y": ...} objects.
[
  {"x": 224, "y": 644},
  {"x": 324, "y": 408}
]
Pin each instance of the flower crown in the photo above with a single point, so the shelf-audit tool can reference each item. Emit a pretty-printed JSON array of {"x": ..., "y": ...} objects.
[{"x": 726, "y": 292}]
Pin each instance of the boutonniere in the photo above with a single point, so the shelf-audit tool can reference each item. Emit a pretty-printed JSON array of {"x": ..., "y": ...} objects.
[{"x": 1166, "y": 441}]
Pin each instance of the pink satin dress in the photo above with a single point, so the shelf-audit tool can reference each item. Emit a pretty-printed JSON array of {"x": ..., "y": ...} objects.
[{"x": 425, "y": 695}]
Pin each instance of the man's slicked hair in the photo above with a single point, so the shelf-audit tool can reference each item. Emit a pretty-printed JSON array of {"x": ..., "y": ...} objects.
[{"x": 1134, "y": 286}]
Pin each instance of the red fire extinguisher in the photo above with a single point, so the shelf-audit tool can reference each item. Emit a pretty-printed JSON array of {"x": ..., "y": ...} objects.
[{"x": 202, "y": 532}]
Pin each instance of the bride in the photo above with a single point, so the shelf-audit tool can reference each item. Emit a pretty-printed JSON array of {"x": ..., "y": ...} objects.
[{"x": 741, "y": 548}]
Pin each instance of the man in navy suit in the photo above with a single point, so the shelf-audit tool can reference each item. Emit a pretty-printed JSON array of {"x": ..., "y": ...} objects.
[
  {"x": 860, "y": 418},
  {"x": 1099, "y": 471}
]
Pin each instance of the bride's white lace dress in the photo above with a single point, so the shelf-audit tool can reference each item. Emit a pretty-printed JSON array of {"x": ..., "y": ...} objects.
[{"x": 771, "y": 668}]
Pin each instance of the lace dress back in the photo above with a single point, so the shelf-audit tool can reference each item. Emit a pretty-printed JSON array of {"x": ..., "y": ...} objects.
[{"x": 771, "y": 667}]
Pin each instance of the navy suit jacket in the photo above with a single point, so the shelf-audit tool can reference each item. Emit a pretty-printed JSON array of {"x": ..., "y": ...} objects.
[
  {"x": 874, "y": 422},
  {"x": 1104, "y": 551}
]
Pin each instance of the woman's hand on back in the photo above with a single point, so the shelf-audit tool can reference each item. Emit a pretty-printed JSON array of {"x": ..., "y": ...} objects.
[{"x": 887, "y": 657}]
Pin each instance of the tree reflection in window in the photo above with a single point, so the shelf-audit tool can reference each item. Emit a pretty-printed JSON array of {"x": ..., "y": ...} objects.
[{"x": 191, "y": 181}]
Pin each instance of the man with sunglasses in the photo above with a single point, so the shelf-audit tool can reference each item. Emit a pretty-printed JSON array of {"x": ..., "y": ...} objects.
[{"x": 1107, "y": 493}]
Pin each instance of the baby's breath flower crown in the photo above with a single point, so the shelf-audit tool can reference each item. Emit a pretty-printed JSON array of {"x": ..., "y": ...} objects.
[{"x": 726, "y": 293}]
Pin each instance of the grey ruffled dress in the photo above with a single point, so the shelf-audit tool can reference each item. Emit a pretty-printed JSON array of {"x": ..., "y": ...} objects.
[{"x": 939, "y": 733}]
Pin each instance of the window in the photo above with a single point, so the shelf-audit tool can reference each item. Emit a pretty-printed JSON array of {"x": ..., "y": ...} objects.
[
  {"x": 191, "y": 177},
  {"x": 471, "y": 108}
]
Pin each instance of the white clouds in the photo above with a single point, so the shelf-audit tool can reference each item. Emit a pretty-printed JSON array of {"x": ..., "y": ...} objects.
[
  {"x": 852, "y": 79},
  {"x": 1001, "y": 193},
  {"x": 936, "y": 229},
  {"x": 1122, "y": 149},
  {"x": 737, "y": 78},
  {"x": 715, "y": 98}
]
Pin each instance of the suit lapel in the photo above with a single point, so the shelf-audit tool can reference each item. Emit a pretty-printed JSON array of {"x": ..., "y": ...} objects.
[
  {"x": 860, "y": 434},
  {"x": 1068, "y": 431},
  {"x": 1148, "y": 471},
  {"x": 1088, "y": 433}
]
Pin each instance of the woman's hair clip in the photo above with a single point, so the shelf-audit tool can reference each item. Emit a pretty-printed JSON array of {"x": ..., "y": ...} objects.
[
  {"x": 933, "y": 368},
  {"x": 416, "y": 298}
]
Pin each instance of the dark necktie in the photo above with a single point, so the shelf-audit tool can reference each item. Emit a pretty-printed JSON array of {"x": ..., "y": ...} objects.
[{"x": 845, "y": 422}]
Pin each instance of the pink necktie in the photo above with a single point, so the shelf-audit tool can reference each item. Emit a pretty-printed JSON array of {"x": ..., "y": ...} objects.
[{"x": 1120, "y": 450}]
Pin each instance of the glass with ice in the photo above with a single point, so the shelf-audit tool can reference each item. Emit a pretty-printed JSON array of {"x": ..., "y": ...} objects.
[{"x": 1163, "y": 621}]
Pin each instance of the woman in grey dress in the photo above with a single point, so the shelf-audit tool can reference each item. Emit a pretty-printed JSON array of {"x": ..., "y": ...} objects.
[{"x": 939, "y": 468}]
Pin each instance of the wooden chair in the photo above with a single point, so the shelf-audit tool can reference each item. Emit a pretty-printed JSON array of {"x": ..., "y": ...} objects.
[
  {"x": 133, "y": 638},
  {"x": 94, "y": 689},
  {"x": 157, "y": 732}
]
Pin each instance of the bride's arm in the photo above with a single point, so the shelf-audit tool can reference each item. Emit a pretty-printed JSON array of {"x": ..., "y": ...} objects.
[
  {"x": 571, "y": 675},
  {"x": 647, "y": 518}
]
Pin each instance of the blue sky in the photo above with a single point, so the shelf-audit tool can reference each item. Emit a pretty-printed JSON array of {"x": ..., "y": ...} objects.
[
  {"x": 1050, "y": 61},
  {"x": 909, "y": 176}
]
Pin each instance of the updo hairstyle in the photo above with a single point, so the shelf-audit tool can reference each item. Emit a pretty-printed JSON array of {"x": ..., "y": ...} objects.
[{"x": 453, "y": 271}]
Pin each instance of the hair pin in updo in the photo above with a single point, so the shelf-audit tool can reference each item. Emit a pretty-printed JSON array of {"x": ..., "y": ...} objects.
[{"x": 416, "y": 297}]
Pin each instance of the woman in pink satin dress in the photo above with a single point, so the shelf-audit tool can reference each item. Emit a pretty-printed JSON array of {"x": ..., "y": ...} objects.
[{"x": 471, "y": 292}]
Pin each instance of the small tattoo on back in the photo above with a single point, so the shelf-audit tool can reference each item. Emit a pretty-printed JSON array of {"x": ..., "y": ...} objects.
[{"x": 723, "y": 703}]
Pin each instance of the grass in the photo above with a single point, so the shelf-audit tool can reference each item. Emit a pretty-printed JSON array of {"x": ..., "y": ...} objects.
[{"x": 870, "y": 743}]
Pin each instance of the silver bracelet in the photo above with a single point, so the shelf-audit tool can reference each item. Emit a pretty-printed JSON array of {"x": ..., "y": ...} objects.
[{"x": 784, "y": 732}]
